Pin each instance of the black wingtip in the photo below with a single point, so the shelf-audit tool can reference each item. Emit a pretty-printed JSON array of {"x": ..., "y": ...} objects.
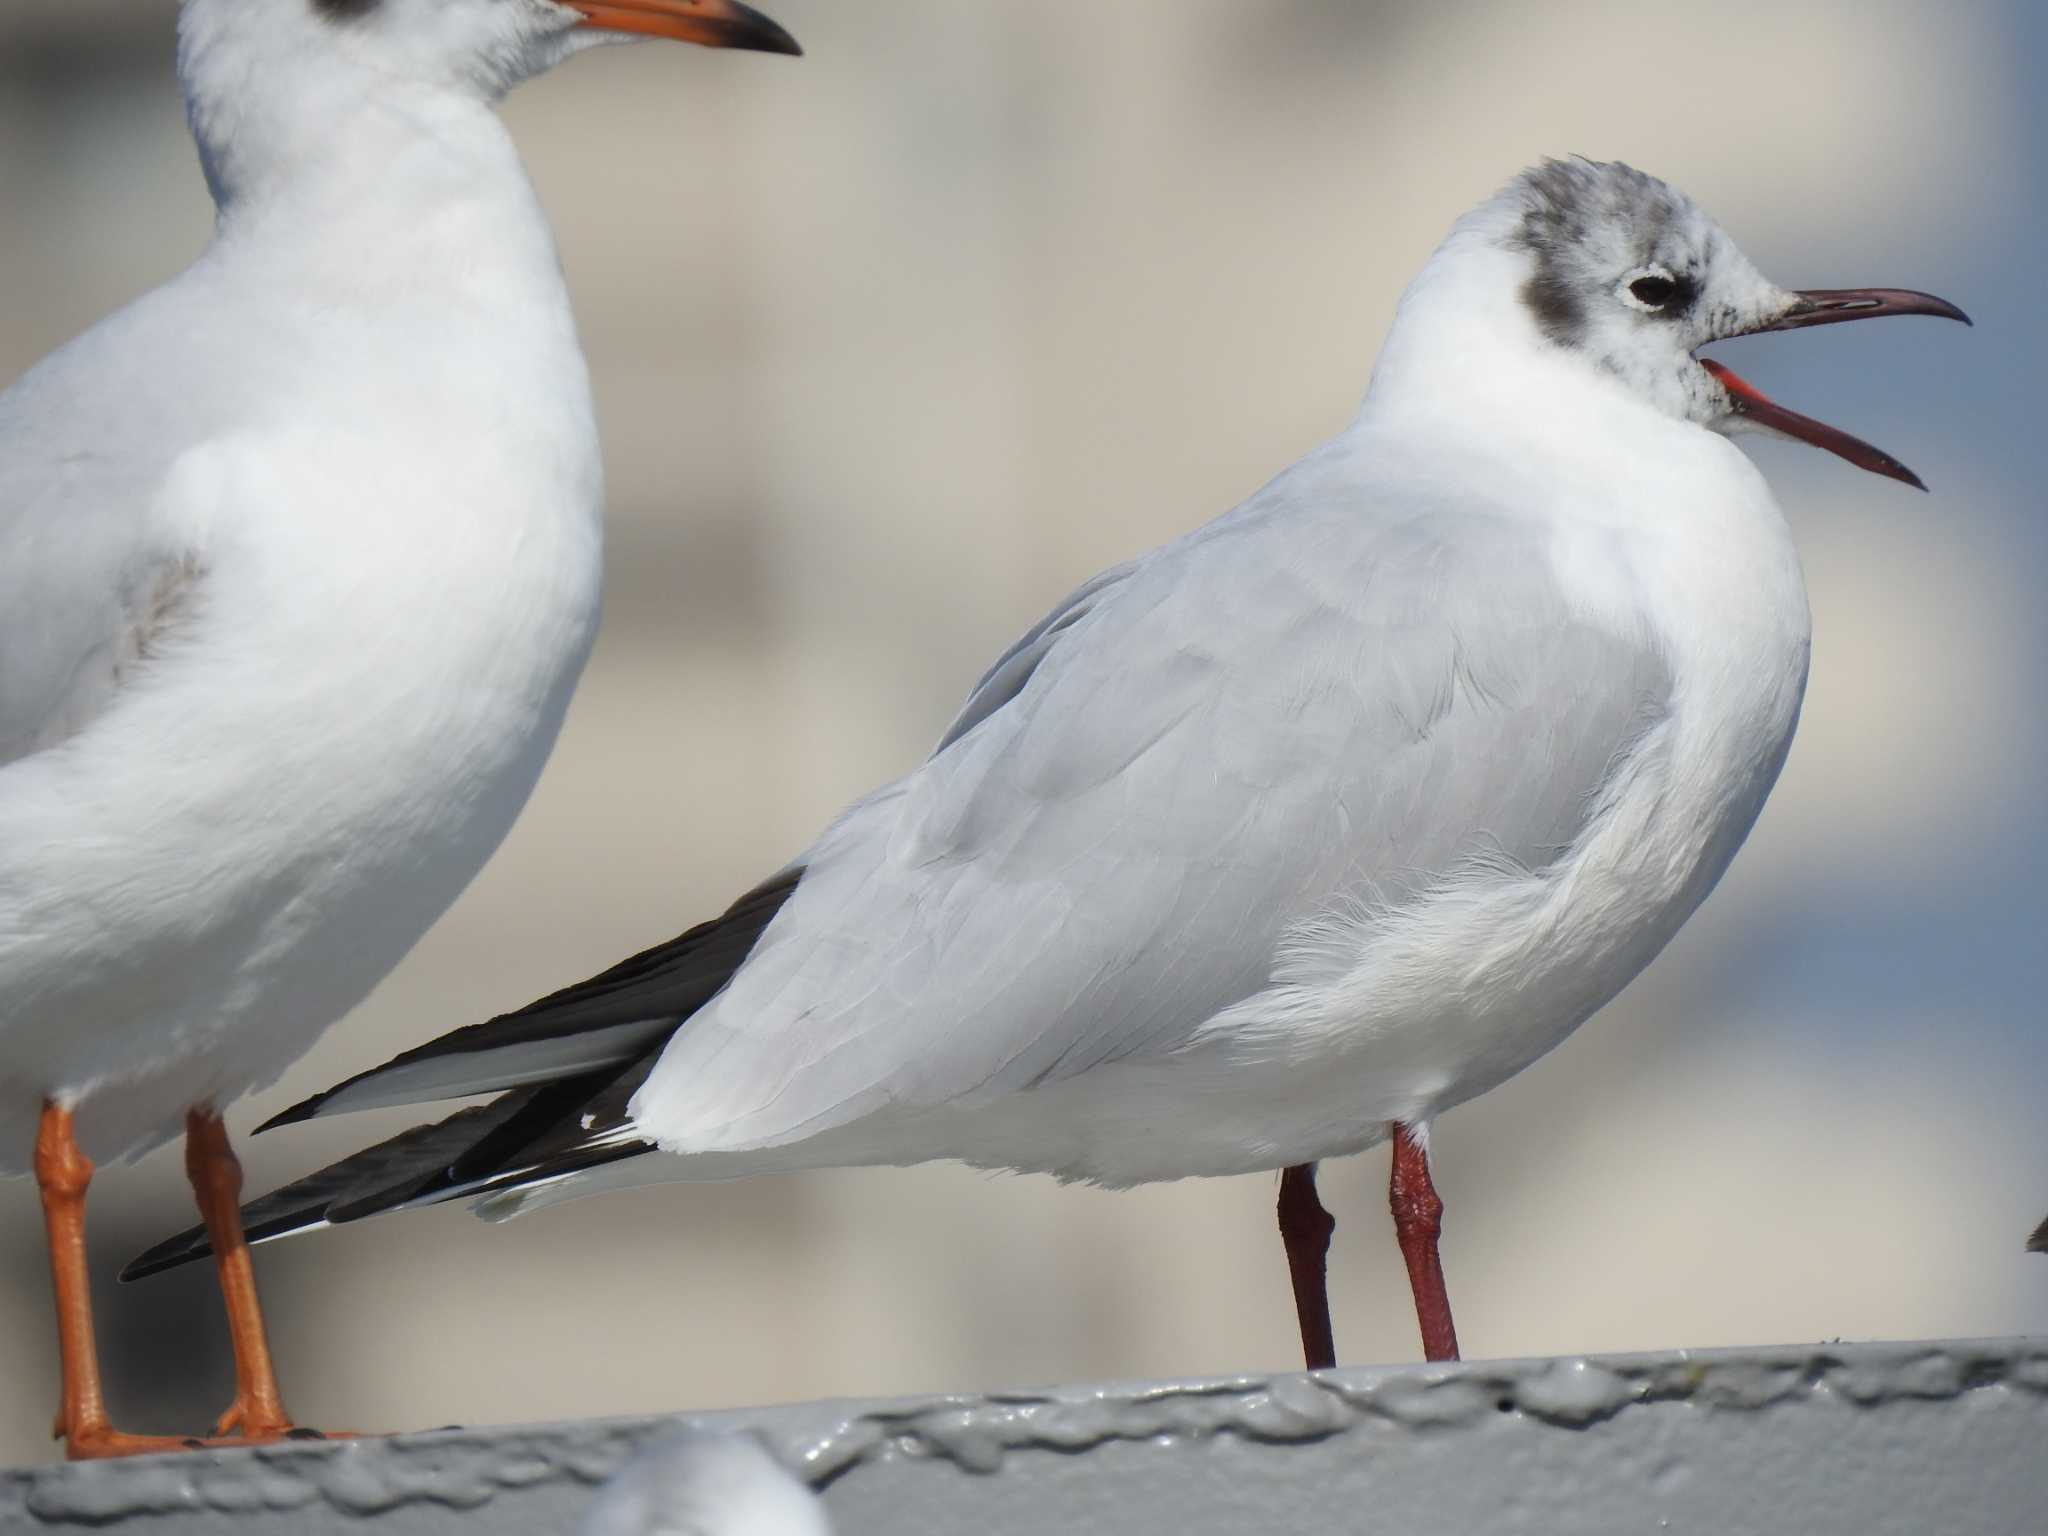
[
  {"x": 746, "y": 28},
  {"x": 188, "y": 1247},
  {"x": 305, "y": 1109},
  {"x": 2038, "y": 1243}
]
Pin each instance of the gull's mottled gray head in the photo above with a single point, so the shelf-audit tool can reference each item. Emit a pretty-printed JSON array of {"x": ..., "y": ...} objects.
[
  {"x": 1625, "y": 267},
  {"x": 1630, "y": 274}
]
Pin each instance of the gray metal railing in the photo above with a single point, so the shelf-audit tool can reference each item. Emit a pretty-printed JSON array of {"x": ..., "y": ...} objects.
[{"x": 1939, "y": 1438}]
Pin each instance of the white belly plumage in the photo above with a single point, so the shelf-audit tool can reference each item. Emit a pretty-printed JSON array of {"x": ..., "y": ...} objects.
[{"x": 278, "y": 802}]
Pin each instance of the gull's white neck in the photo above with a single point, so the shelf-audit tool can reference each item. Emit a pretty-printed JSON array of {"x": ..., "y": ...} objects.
[
  {"x": 1464, "y": 345},
  {"x": 358, "y": 182},
  {"x": 1653, "y": 520}
]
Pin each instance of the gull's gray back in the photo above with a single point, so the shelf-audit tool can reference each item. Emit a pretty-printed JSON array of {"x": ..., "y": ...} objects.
[{"x": 1347, "y": 692}]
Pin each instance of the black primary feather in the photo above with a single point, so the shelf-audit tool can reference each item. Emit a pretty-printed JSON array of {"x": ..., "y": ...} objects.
[
  {"x": 305, "y": 1202},
  {"x": 656, "y": 989},
  {"x": 530, "y": 1133}
]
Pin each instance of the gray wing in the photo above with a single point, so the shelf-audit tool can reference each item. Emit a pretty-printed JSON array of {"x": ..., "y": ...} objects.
[{"x": 1315, "y": 699}]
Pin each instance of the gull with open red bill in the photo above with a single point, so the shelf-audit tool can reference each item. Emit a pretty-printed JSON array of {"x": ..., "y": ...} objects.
[
  {"x": 1750, "y": 407},
  {"x": 299, "y": 563},
  {"x": 1274, "y": 844}
]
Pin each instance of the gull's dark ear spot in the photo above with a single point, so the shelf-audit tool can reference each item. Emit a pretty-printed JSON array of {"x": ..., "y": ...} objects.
[
  {"x": 344, "y": 10},
  {"x": 1557, "y": 306}
]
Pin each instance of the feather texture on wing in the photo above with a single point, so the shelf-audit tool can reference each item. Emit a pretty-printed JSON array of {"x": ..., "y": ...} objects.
[{"x": 1316, "y": 702}]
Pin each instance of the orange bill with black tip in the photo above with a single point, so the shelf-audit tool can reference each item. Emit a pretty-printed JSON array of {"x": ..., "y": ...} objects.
[{"x": 708, "y": 23}]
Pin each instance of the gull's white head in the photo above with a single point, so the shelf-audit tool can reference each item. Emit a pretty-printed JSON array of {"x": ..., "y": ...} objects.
[
  {"x": 1613, "y": 268},
  {"x": 254, "y": 71},
  {"x": 486, "y": 46}
]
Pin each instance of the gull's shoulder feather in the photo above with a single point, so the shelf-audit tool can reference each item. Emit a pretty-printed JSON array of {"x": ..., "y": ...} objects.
[{"x": 1012, "y": 670}]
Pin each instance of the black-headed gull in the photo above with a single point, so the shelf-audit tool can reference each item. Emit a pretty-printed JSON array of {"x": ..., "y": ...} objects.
[
  {"x": 1275, "y": 843},
  {"x": 299, "y": 562}
]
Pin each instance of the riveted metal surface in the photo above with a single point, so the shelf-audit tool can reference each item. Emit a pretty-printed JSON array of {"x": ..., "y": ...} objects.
[{"x": 1913, "y": 1438}]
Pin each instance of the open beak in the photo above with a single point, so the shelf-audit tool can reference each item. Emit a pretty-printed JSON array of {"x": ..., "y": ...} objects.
[
  {"x": 708, "y": 23},
  {"x": 1828, "y": 306}
]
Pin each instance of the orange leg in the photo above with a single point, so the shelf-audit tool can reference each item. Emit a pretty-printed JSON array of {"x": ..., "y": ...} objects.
[
  {"x": 64, "y": 1173},
  {"x": 216, "y": 1174}
]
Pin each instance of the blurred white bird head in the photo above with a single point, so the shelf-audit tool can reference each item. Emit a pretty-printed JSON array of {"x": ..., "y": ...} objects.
[
  {"x": 1627, "y": 276},
  {"x": 485, "y": 46},
  {"x": 266, "y": 79},
  {"x": 704, "y": 1483}
]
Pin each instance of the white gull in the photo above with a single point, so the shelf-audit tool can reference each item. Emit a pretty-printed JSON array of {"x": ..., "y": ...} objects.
[{"x": 299, "y": 562}]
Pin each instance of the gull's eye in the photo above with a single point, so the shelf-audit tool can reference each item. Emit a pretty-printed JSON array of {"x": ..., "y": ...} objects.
[{"x": 1654, "y": 290}]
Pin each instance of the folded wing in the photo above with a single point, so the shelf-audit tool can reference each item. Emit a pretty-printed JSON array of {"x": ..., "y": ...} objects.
[{"x": 1301, "y": 706}]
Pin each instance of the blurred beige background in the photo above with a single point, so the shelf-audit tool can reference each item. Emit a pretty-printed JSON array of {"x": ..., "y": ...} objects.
[{"x": 893, "y": 345}]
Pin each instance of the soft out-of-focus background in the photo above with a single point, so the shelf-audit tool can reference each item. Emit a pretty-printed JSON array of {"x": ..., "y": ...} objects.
[{"x": 895, "y": 343}]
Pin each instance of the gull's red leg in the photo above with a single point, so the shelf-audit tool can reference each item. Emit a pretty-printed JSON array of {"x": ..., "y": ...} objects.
[
  {"x": 1305, "y": 1228},
  {"x": 1418, "y": 1220},
  {"x": 216, "y": 1174},
  {"x": 63, "y": 1174}
]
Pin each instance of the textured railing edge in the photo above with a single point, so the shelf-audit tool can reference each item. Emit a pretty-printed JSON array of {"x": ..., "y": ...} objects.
[{"x": 467, "y": 1468}]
